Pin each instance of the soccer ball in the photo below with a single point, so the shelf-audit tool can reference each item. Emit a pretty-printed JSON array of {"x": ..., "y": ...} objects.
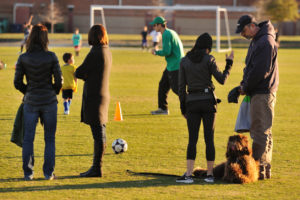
[{"x": 119, "y": 146}]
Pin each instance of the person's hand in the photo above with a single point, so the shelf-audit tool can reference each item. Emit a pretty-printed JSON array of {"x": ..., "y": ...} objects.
[
  {"x": 231, "y": 56},
  {"x": 242, "y": 92}
]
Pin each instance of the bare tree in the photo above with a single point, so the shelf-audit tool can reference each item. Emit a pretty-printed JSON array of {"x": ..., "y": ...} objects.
[{"x": 52, "y": 15}]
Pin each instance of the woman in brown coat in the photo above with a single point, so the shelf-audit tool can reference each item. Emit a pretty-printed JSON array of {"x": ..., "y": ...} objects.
[{"x": 95, "y": 71}]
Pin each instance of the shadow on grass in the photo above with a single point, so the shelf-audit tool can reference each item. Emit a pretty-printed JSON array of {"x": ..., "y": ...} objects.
[
  {"x": 6, "y": 119},
  {"x": 136, "y": 115},
  {"x": 57, "y": 156},
  {"x": 156, "y": 182},
  {"x": 35, "y": 179},
  {"x": 145, "y": 115}
]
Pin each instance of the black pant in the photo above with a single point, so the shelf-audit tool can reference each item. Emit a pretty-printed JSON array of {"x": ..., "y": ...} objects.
[
  {"x": 169, "y": 80},
  {"x": 196, "y": 111},
  {"x": 99, "y": 135}
]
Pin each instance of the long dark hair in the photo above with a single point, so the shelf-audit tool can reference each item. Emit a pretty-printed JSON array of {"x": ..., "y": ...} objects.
[
  {"x": 97, "y": 35},
  {"x": 203, "y": 43},
  {"x": 38, "y": 37}
]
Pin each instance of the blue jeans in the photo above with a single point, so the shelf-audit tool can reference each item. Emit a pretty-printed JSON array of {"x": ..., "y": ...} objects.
[{"x": 48, "y": 114}]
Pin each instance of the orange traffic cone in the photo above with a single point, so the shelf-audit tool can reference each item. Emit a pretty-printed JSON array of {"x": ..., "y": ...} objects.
[{"x": 118, "y": 113}]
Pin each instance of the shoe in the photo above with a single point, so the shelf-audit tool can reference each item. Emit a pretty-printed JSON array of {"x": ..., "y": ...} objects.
[
  {"x": 184, "y": 179},
  {"x": 66, "y": 112},
  {"x": 28, "y": 178},
  {"x": 92, "y": 172},
  {"x": 160, "y": 111},
  {"x": 50, "y": 178},
  {"x": 209, "y": 179}
]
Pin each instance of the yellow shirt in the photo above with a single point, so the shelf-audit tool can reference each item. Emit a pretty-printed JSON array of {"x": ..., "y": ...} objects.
[{"x": 68, "y": 75}]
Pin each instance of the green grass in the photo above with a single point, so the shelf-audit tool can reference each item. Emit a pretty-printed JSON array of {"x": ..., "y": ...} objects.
[
  {"x": 134, "y": 40},
  {"x": 129, "y": 37},
  {"x": 156, "y": 143}
]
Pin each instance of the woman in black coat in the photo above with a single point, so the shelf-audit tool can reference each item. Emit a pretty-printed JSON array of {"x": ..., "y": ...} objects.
[{"x": 95, "y": 72}]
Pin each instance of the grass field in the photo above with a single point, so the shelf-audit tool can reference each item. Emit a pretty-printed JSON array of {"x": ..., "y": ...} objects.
[{"x": 156, "y": 143}]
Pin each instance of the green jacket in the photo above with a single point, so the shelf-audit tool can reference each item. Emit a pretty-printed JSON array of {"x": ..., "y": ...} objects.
[
  {"x": 18, "y": 130},
  {"x": 172, "y": 49}
]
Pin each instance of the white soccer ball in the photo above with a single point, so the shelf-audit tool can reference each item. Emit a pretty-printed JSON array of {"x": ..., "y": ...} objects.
[{"x": 119, "y": 146}]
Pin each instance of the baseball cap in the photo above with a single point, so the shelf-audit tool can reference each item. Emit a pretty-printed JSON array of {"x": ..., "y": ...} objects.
[
  {"x": 158, "y": 20},
  {"x": 243, "y": 21}
]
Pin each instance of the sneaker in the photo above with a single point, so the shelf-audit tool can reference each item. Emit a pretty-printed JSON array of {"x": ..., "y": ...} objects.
[
  {"x": 66, "y": 112},
  {"x": 209, "y": 179},
  {"x": 28, "y": 178},
  {"x": 50, "y": 177},
  {"x": 160, "y": 111},
  {"x": 184, "y": 179}
]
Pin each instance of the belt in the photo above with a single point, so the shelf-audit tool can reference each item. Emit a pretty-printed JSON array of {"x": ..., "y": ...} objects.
[{"x": 206, "y": 90}]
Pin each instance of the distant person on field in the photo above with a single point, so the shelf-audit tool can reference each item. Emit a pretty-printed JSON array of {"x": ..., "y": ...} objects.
[
  {"x": 156, "y": 36},
  {"x": 172, "y": 50},
  {"x": 144, "y": 35},
  {"x": 198, "y": 101},
  {"x": 77, "y": 40},
  {"x": 27, "y": 29},
  {"x": 95, "y": 72},
  {"x": 70, "y": 82},
  {"x": 43, "y": 82},
  {"x": 260, "y": 82}
]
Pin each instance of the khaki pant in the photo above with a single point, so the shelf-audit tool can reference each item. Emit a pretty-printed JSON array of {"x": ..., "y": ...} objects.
[{"x": 262, "y": 115}]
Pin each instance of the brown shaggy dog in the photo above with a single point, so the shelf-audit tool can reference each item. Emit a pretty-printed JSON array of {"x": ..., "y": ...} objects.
[{"x": 240, "y": 166}]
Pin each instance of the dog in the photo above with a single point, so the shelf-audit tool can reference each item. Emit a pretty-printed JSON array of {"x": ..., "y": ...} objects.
[{"x": 240, "y": 166}]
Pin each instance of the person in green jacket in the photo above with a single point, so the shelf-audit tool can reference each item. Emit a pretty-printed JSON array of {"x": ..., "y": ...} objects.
[{"x": 172, "y": 50}]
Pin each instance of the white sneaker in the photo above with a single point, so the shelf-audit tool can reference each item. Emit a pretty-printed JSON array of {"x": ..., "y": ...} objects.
[
  {"x": 209, "y": 179},
  {"x": 160, "y": 111},
  {"x": 185, "y": 179},
  {"x": 67, "y": 112}
]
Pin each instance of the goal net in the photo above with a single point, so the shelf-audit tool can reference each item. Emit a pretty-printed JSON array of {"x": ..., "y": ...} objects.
[{"x": 217, "y": 9}]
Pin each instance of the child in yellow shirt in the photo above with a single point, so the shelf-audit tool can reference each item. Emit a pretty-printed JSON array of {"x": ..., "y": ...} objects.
[{"x": 70, "y": 82}]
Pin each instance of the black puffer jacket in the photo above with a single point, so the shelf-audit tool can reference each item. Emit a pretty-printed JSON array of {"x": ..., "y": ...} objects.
[{"x": 39, "y": 67}]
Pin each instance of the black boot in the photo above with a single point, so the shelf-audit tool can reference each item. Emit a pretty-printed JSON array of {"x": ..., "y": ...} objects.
[{"x": 95, "y": 170}]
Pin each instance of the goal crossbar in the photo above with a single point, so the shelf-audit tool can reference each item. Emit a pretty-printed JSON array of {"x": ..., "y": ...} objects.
[{"x": 217, "y": 9}]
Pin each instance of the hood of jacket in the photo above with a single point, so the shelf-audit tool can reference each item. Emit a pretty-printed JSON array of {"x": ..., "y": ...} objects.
[{"x": 266, "y": 28}]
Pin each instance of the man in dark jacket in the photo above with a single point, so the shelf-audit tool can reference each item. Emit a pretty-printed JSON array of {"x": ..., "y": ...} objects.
[{"x": 260, "y": 81}]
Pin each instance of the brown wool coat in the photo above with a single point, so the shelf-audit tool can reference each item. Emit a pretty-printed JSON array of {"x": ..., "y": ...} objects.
[{"x": 95, "y": 71}]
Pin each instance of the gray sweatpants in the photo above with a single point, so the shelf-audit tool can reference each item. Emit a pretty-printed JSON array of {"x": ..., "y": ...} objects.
[{"x": 262, "y": 115}]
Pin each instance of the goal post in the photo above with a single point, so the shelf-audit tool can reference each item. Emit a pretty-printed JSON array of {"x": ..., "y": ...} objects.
[
  {"x": 93, "y": 8},
  {"x": 217, "y": 9}
]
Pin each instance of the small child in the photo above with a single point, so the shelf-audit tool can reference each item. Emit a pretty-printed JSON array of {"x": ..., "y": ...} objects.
[
  {"x": 76, "y": 38},
  {"x": 144, "y": 34},
  {"x": 70, "y": 82}
]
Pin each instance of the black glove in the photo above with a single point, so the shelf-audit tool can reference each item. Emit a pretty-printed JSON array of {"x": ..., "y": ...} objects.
[
  {"x": 229, "y": 63},
  {"x": 233, "y": 95}
]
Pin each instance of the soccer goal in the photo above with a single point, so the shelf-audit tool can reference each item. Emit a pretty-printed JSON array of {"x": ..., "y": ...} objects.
[
  {"x": 217, "y": 9},
  {"x": 94, "y": 8}
]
